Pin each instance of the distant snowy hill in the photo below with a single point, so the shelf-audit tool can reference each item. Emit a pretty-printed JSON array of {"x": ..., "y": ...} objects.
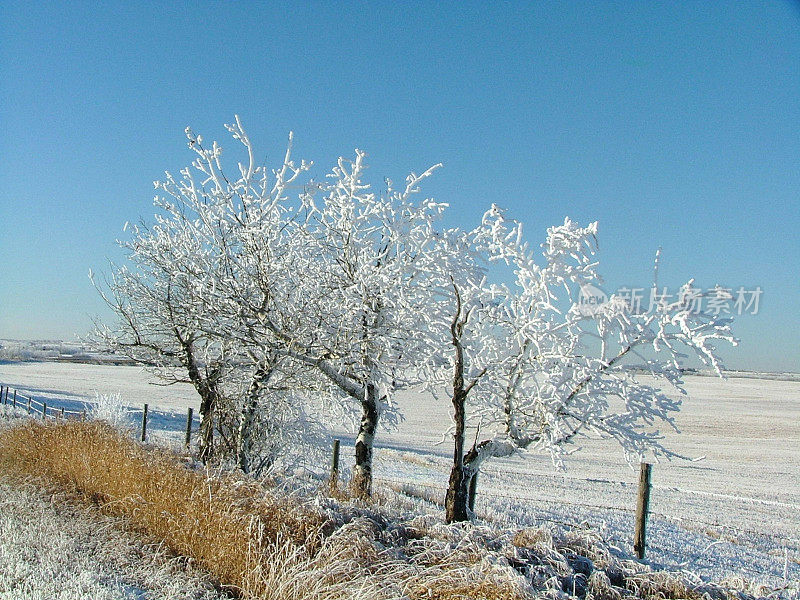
[{"x": 59, "y": 351}]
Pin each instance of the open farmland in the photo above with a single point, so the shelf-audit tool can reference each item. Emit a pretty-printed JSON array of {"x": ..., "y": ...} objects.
[{"x": 733, "y": 511}]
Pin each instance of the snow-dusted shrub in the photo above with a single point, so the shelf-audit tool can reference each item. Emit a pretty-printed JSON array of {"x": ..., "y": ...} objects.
[
  {"x": 9, "y": 415},
  {"x": 111, "y": 409},
  {"x": 276, "y": 435}
]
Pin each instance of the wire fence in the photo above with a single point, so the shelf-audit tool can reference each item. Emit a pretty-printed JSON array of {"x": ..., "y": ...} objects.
[
  {"x": 16, "y": 399},
  {"x": 54, "y": 408},
  {"x": 409, "y": 485},
  {"x": 666, "y": 488}
]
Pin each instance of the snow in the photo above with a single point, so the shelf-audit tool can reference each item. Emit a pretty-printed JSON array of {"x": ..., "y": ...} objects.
[{"x": 735, "y": 512}]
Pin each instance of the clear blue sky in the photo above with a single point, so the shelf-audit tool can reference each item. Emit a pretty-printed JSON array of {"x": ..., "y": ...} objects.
[{"x": 674, "y": 125}]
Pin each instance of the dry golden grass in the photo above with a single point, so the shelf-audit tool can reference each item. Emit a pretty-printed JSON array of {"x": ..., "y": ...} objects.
[
  {"x": 225, "y": 525},
  {"x": 530, "y": 537},
  {"x": 255, "y": 543},
  {"x": 259, "y": 543},
  {"x": 660, "y": 586}
]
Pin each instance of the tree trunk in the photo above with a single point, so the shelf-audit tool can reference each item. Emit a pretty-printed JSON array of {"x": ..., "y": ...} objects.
[
  {"x": 456, "y": 501},
  {"x": 244, "y": 435},
  {"x": 244, "y": 441},
  {"x": 207, "y": 388},
  {"x": 208, "y": 406},
  {"x": 362, "y": 473}
]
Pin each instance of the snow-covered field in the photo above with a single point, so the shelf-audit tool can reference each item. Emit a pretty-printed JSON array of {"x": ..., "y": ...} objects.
[{"x": 734, "y": 512}]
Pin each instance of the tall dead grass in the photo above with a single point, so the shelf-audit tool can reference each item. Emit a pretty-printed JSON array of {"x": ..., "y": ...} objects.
[
  {"x": 263, "y": 544},
  {"x": 256, "y": 543},
  {"x": 227, "y": 526}
]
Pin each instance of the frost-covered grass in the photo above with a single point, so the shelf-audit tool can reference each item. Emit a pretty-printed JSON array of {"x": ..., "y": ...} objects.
[{"x": 52, "y": 548}]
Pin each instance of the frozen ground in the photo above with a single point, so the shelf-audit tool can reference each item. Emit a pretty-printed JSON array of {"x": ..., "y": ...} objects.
[{"x": 734, "y": 512}]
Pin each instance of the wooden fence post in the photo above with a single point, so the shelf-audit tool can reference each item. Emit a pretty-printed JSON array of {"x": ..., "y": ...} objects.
[
  {"x": 62, "y": 413},
  {"x": 144, "y": 423},
  {"x": 83, "y": 416},
  {"x": 188, "y": 440},
  {"x": 44, "y": 411},
  {"x": 29, "y": 406},
  {"x": 642, "y": 507},
  {"x": 473, "y": 490},
  {"x": 1, "y": 394},
  {"x": 334, "y": 482},
  {"x": 15, "y": 398}
]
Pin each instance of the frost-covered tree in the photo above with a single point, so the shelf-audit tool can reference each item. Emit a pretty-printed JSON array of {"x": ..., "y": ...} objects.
[
  {"x": 348, "y": 302},
  {"x": 533, "y": 366},
  {"x": 158, "y": 299},
  {"x": 376, "y": 261},
  {"x": 182, "y": 275},
  {"x": 289, "y": 292}
]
